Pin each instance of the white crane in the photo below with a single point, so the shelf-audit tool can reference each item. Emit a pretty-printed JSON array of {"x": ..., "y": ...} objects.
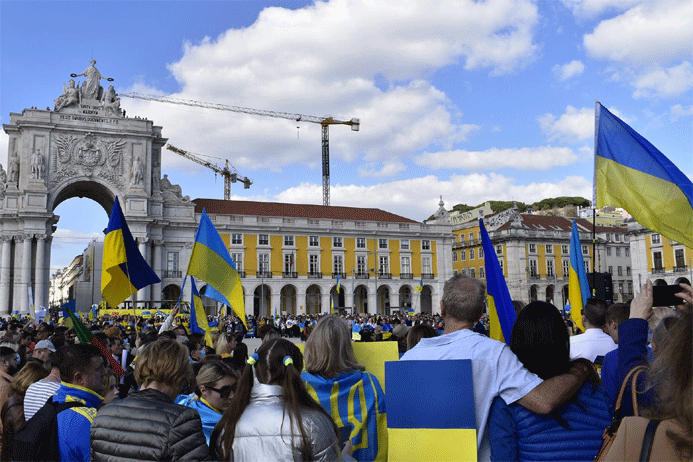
[{"x": 325, "y": 122}]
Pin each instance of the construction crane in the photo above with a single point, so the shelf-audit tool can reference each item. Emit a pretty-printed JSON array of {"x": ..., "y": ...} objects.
[
  {"x": 229, "y": 176},
  {"x": 325, "y": 122}
]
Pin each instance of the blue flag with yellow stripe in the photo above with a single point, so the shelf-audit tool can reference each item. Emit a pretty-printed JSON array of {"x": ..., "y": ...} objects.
[
  {"x": 354, "y": 400},
  {"x": 210, "y": 262},
  {"x": 630, "y": 172},
  {"x": 124, "y": 271},
  {"x": 198, "y": 318},
  {"x": 578, "y": 286},
  {"x": 500, "y": 306}
]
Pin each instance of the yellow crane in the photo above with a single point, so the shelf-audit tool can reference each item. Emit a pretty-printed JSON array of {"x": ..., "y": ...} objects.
[
  {"x": 324, "y": 122},
  {"x": 228, "y": 175}
]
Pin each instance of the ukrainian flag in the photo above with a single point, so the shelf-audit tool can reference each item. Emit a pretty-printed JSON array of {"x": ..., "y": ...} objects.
[
  {"x": 421, "y": 429},
  {"x": 630, "y": 172},
  {"x": 419, "y": 287},
  {"x": 331, "y": 304},
  {"x": 339, "y": 284},
  {"x": 210, "y": 262},
  {"x": 198, "y": 318},
  {"x": 124, "y": 271},
  {"x": 578, "y": 287},
  {"x": 500, "y": 305}
]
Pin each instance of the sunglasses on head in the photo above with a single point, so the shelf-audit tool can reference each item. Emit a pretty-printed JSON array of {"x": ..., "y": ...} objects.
[{"x": 224, "y": 391}]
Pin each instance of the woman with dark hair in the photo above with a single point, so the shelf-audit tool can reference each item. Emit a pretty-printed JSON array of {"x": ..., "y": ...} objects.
[
  {"x": 256, "y": 426},
  {"x": 572, "y": 432}
]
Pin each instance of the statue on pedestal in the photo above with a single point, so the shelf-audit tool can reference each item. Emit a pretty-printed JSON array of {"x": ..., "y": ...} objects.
[
  {"x": 13, "y": 169},
  {"x": 37, "y": 167},
  {"x": 93, "y": 88},
  {"x": 69, "y": 97},
  {"x": 3, "y": 179},
  {"x": 137, "y": 172},
  {"x": 110, "y": 102}
]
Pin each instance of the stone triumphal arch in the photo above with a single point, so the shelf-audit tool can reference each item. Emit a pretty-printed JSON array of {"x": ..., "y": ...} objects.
[{"x": 84, "y": 147}]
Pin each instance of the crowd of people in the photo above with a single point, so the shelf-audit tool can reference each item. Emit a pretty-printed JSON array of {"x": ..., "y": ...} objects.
[{"x": 548, "y": 396}]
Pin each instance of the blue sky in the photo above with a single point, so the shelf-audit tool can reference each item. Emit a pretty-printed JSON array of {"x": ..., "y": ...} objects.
[{"x": 473, "y": 101}]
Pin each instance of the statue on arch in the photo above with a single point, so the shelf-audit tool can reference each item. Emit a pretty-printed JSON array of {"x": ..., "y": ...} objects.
[
  {"x": 93, "y": 87},
  {"x": 137, "y": 172},
  {"x": 13, "y": 169},
  {"x": 111, "y": 102},
  {"x": 69, "y": 97},
  {"x": 37, "y": 167},
  {"x": 3, "y": 179}
]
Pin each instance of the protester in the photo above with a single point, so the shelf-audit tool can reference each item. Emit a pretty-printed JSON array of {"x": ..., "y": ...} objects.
[
  {"x": 667, "y": 390},
  {"x": 9, "y": 363},
  {"x": 540, "y": 341},
  {"x": 256, "y": 426},
  {"x": 148, "y": 425},
  {"x": 334, "y": 376},
  {"x": 43, "y": 350},
  {"x": 82, "y": 371},
  {"x": 12, "y": 414},
  {"x": 38, "y": 393},
  {"x": 615, "y": 315},
  {"x": 423, "y": 331},
  {"x": 593, "y": 344},
  {"x": 216, "y": 386},
  {"x": 496, "y": 370}
]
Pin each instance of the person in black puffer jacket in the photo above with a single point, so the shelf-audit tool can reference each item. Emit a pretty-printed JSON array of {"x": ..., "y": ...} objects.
[{"x": 148, "y": 425}]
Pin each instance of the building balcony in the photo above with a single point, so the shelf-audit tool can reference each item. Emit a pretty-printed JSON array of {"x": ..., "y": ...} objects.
[
  {"x": 314, "y": 275},
  {"x": 680, "y": 269},
  {"x": 427, "y": 276},
  {"x": 658, "y": 270},
  {"x": 534, "y": 276},
  {"x": 289, "y": 274},
  {"x": 362, "y": 275},
  {"x": 173, "y": 274},
  {"x": 406, "y": 275},
  {"x": 385, "y": 275},
  {"x": 264, "y": 274},
  {"x": 241, "y": 274},
  {"x": 341, "y": 275}
]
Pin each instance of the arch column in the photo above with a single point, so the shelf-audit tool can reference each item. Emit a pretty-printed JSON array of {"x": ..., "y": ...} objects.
[
  {"x": 325, "y": 301},
  {"x": 156, "y": 265},
  {"x": 143, "y": 293},
  {"x": 372, "y": 300},
  {"x": 26, "y": 273},
  {"x": 41, "y": 271},
  {"x": 5, "y": 272}
]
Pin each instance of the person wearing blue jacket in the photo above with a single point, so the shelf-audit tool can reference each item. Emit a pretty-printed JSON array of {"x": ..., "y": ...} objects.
[
  {"x": 573, "y": 432},
  {"x": 82, "y": 371}
]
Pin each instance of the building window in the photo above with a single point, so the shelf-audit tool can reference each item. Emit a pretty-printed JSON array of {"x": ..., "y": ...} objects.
[
  {"x": 656, "y": 239},
  {"x": 360, "y": 242},
  {"x": 549, "y": 248},
  {"x": 361, "y": 265},
  {"x": 236, "y": 239},
  {"x": 454, "y": 256},
  {"x": 618, "y": 251},
  {"x": 564, "y": 249},
  {"x": 425, "y": 244},
  {"x": 289, "y": 241},
  {"x": 610, "y": 270},
  {"x": 617, "y": 237},
  {"x": 587, "y": 265},
  {"x": 608, "y": 251},
  {"x": 313, "y": 241},
  {"x": 237, "y": 261},
  {"x": 384, "y": 264},
  {"x": 630, "y": 288},
  {"x": 172, "y": 261},
  {"x": 471, "y": 238},
  {"x": 657, "y": 259},
  {"x": 482, "y": 275},
  {"x": 336, "y": 242},
  {"x": 463, "y": 255},
  {"x": 263, "y": 239},
  {"x": 620, "y": 270},
  {"x": 679, "y": 259},
  {"x": 406, "y": 265},
  {"x": 289, "y": 264},
  {"x": 566, "y": 268},
  {"x": 499, "y": 249},
  {"x": 628, "y": 272},
  {"x": 500, "y": 262},
  {"x": 471, "y": 254},
  {"x": 382, "y": 243},
  {"x": 533, "y": 273},
  {"x": 461, "y": 239},
  {"x": 627, "y": 251},
  {"x": 585, "y": 250},
  {"x": 481, "y": 253},
  {"x": 620, "y": 287},
  {"x": 313, "y": 264},
  {"x": 472, "y": 273},
  {"x": 426, "y": 265},
  {"x": 464, "y": 272},
  {"x": 549, "y": 268},
  {"x": 532, "y": 248},
  {"x": 263, "y": 262},
  {"x": 404, "y": 244},
  {"x": 338, "y": 264}
]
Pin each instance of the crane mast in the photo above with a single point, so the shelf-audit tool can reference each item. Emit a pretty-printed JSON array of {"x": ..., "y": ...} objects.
[
  {"x": 226, "y": 173},
  {"x": 325, "y": 122}
]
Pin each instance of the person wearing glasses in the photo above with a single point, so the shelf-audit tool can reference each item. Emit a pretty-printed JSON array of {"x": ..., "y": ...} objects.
[{"x": 216, "y": 386}]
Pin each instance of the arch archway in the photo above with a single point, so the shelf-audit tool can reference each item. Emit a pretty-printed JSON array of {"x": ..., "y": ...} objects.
[
  {"x": 313, "y": 295},
  {"x": 405, "y": 296},
  {"x": 339, "y": 299},
  {"x": 261, "y": 300},
  {"x": 383, "y": 299},
  {"x": 682, "y": 280},
  {"x": 550, "y": 294},
  {"x": 426, "y": 300},
  {"x": 287, "y": 297},
  {"x": 361, "y": 299},
  {"x": 533, "y": 293},
  {"x": 659, "y": 282},
  {"x": 171, "y": 294}
]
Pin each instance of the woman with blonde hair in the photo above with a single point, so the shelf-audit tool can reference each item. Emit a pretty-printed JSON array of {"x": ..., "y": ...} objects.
[
  {"x": 216, "y": 387},
  {"x": 148, "y": 425},
  {"x": 333, "y": 377}
]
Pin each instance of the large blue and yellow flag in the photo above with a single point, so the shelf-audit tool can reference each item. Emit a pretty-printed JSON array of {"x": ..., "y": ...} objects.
[
  {"x": 422, "y": 430},
  {"x": 578, "y": 286},
  {"x": 338, "y": 284},
  {"x": 630, "y": 172},
  {"x": 198, "y": 318},
  {"x": 124, "y": 271},
  {"x": 210, "y": 262},
  {"x": 419, "y": 286},
  {"x": 501, "y": 311}
]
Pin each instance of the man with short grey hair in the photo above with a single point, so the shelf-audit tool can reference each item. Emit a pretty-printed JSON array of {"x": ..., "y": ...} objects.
[{"x": 496, "y": 371}]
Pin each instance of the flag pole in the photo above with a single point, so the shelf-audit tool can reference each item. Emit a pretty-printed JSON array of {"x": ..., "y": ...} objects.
[{"x": 594, "y": 250}]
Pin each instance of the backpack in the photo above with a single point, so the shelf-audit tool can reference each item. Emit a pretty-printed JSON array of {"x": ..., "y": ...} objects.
[{"x": 37, "y": 439}]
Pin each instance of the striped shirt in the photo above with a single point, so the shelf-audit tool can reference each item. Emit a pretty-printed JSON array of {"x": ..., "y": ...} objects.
[{"x": 37, "y": 394}]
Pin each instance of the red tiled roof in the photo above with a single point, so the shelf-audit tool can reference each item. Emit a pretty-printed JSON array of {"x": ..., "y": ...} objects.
[
  {"x": 280, "y": 209},
  {"x": 557, "y": 223}
]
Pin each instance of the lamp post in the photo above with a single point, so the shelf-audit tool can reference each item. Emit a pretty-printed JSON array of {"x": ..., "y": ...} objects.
[{"x": 375, "y": 270}]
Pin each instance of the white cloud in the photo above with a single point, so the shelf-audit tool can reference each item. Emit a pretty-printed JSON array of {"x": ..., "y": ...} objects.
[
  {"x": 417, "y": 198},
  {"x": 574, "y": 125},
  {"x": 388, "y": 169},
  {"x": 591, "y": 8},
  {"x": 539, "y": 158},
  {"x": 664, "y": 82},
  {"x": 649, "y": 33},
  {"x": 566, "y": 71},
  {"x": 678, "y": 111}
]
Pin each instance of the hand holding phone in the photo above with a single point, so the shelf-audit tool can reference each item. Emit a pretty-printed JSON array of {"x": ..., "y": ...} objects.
[{"x": 666, "y": 295}]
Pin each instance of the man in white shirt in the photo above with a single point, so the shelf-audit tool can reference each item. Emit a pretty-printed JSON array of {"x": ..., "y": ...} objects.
[
  {"x": 496, "y": 371},
  {"x": 594, "y": 343}
]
